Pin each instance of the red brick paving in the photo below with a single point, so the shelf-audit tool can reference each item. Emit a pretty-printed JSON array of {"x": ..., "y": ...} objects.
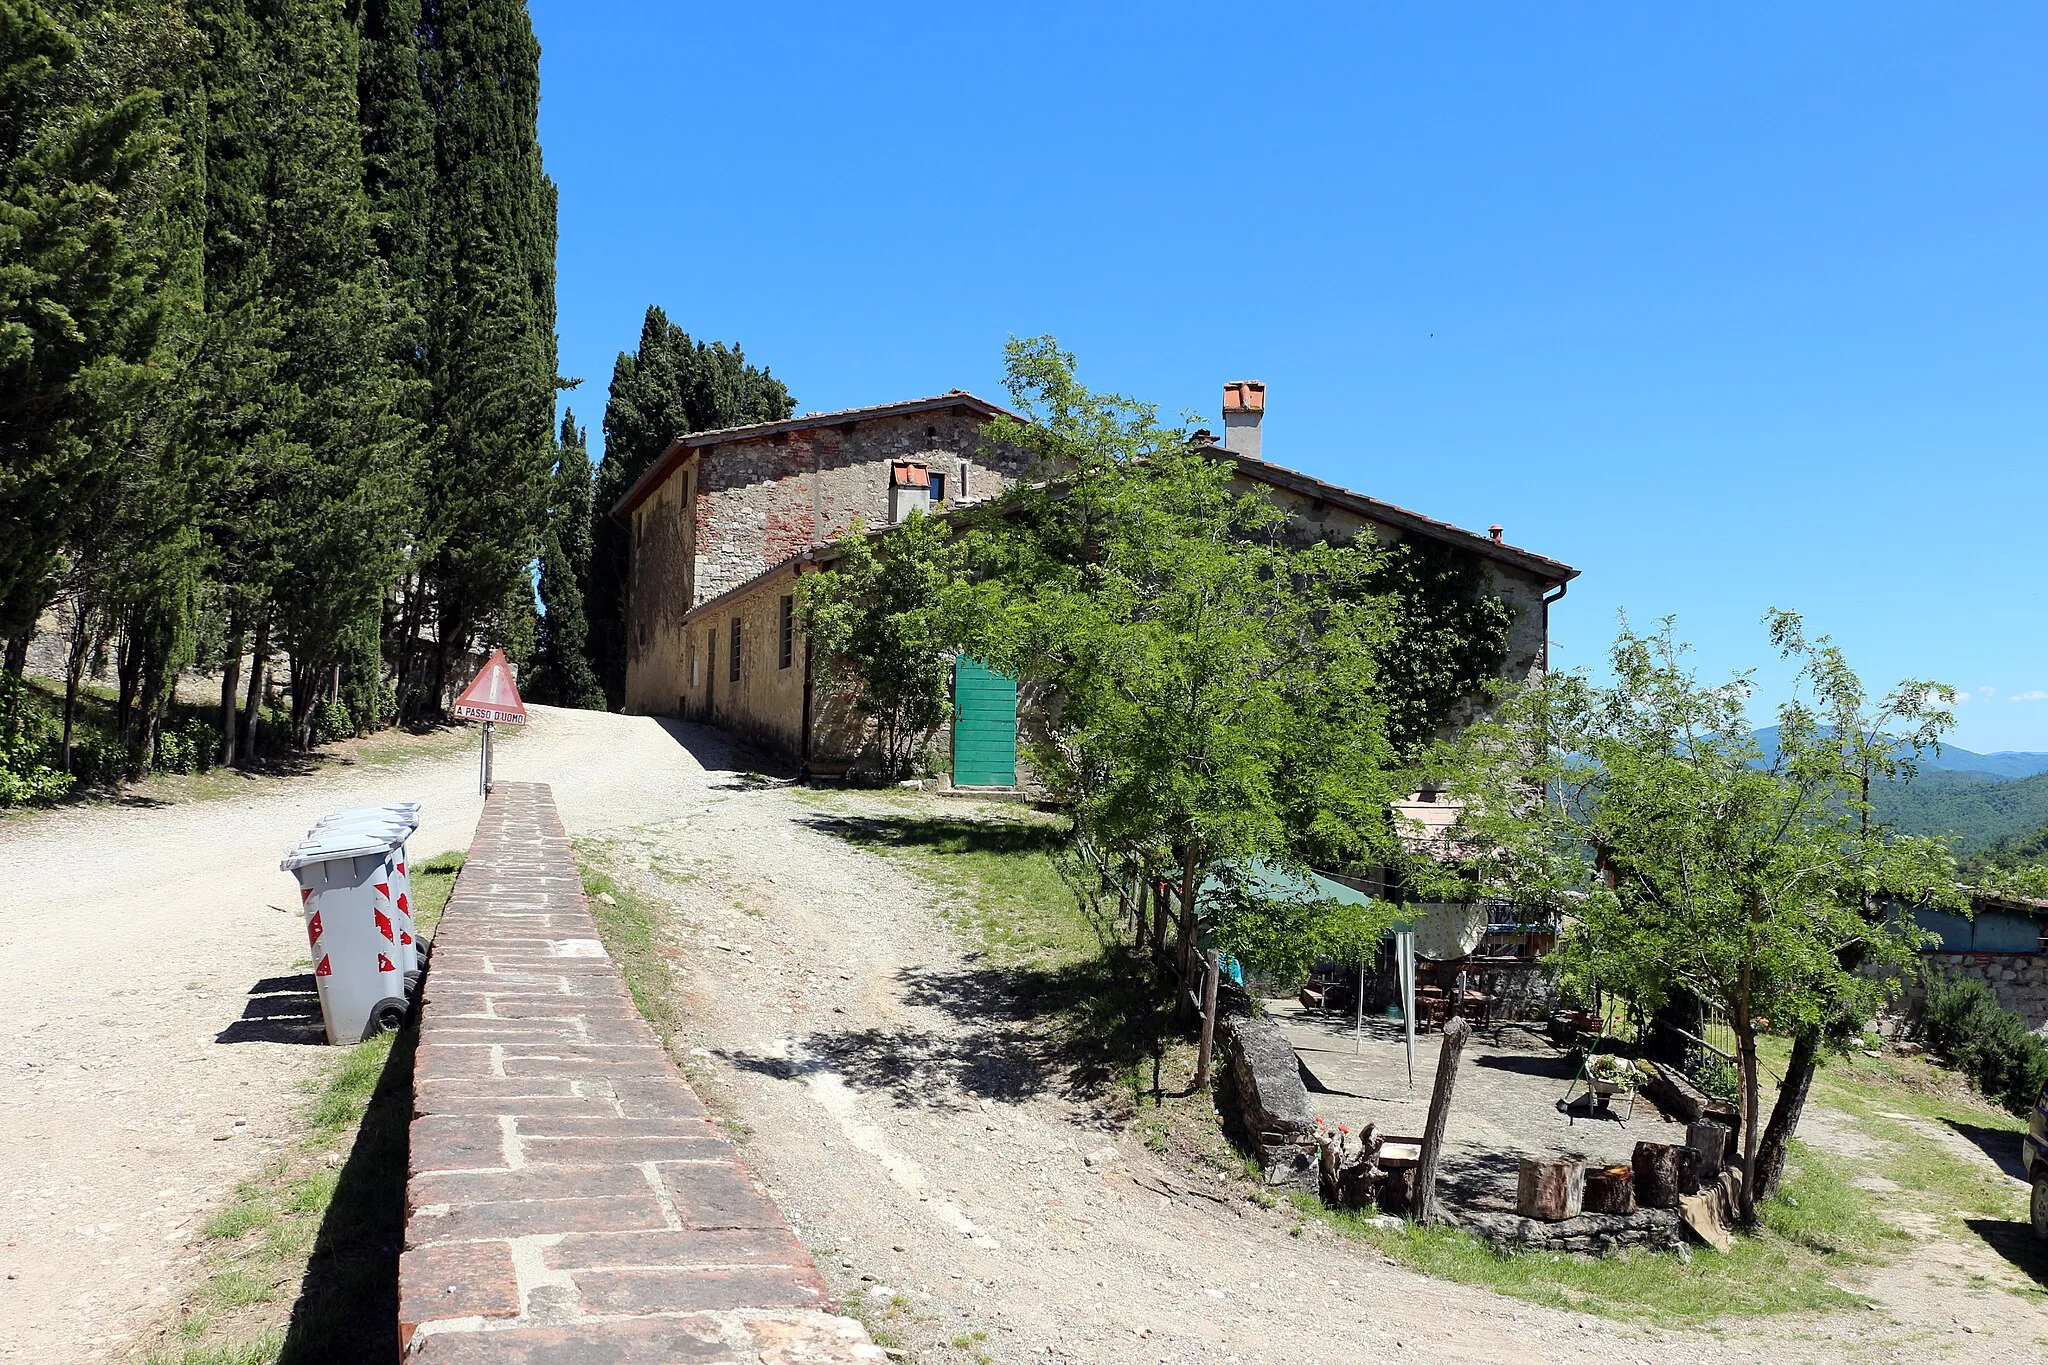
[{"x": 568, "y": 1198}]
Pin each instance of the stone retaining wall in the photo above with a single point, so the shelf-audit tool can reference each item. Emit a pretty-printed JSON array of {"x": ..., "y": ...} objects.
[
  {"x": 2019, "y": 980},
  {"x": 568, "y": 1198}
]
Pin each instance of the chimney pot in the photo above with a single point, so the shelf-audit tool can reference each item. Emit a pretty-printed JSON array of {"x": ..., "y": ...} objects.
[
  {"x": 1496, "y": 531},
  {"x": 1244, "y": 405}
]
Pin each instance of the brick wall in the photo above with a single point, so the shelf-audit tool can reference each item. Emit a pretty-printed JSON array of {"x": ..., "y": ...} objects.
[{"x": 568, "y": 1198}]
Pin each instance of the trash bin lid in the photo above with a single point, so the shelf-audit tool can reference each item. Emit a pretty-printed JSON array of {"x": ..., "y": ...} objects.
[
  {"x": 334, "y": 845},
  {"x": 399, "y": 810},
  {"x": 363, "y": 822}
]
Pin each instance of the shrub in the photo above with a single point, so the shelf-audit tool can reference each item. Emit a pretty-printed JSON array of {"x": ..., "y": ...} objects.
[
  {"x": 331, "y": 721},
  {"x": 1961, "y": 1020},
  {"x": 26, "y": 729},
  {"x": 188, "y": 749}
]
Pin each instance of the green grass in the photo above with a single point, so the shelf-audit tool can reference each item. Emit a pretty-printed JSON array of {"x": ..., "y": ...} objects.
[
  {"x": 1014, "y": 894},
  {"x": 1821, "y": 1226},
  {"x": 432, "y": 883},
  {"x": 630, "y": 929},
  {"x": 324, "y": 1220}
]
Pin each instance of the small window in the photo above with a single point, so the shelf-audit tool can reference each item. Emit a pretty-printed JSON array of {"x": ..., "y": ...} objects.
[
  {"x": 963, "y": 478},
  {"x": 785, "y": 633},
  {"x": 938, "y": 486},
  {"x": 732, "y": 662}
]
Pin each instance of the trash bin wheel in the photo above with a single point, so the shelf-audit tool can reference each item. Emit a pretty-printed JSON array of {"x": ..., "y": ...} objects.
[{"x": 388, "y": 1017}]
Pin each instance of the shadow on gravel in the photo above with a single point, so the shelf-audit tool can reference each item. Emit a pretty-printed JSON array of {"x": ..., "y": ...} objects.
[
  {"x": 2002, "y": 1145},
  {"x": 1013, "y": 1031},
  {"x": 281, "y": 1009},
  {"x": 347, "y": 1309},
  {"x": 2016, "y": 1243},
  {"x": 1017, "y": 1032}
]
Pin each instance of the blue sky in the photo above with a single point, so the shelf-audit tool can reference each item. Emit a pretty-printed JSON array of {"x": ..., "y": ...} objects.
[{"x": 1731, "y": 308}]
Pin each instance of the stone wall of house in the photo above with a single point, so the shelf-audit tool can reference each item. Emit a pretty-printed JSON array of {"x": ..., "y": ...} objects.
[
  {"x": 760, "y": 501},
  {"x": 735, "y": 510},
  {"x": 658, "y": 593},
  {"x": 2019, "y": 980},
  {"x": 1528, "y": 630},
  {"x": 765, "y": 704}
]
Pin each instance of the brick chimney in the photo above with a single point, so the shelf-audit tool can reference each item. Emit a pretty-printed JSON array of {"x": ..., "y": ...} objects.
[{"x": 1244, "y": 403}]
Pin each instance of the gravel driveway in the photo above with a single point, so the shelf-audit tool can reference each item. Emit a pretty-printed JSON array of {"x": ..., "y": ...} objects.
[
  {"x": 901, "y": 1101},
  {"x": 133, "y": 1094}
]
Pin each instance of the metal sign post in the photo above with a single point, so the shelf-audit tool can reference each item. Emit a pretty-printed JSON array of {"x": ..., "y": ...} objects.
[
  {"x": 493, "y": 698},
  {"x": 1404, "y": 957}
]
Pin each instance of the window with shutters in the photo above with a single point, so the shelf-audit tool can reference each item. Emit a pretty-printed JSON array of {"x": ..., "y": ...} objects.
[
  {"x": 732, "y": 664},
  {"x": 785, "y": 633}
]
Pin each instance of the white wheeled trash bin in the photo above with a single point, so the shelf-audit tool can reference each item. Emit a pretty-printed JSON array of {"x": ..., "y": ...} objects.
[
  {"x": 355, "y": 965},
  {"x": 398, "y": 820}
]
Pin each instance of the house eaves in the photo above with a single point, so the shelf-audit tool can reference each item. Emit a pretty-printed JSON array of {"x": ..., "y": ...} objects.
[{"x": 1552, "y": 572}]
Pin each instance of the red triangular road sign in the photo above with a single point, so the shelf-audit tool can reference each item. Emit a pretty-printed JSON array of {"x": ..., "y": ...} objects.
[{"x": 491, "y": 695}]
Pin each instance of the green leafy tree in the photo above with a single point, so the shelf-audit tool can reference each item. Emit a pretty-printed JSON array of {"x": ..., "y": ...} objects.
[
  {"x": 883, "y": 625},
  {"x": 1698, "y": 865},
  {"x": 565, "y": 676},
  {"x": 1215, "y": 682},
  {"x": 669, "y": 387}
]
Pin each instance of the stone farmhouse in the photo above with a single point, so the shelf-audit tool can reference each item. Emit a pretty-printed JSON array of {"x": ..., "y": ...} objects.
[{"x": 725, "y": 522}]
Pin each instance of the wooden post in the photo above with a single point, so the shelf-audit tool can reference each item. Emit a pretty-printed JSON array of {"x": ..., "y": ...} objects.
[
  {"x": 1215, "y": 966},
  {"x": 1550, "y": 1190},
  {"x": 1158, "y": 922},
  {"x": 1422, "y": 1194}
]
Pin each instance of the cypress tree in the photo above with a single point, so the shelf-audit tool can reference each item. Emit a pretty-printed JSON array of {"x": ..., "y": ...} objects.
[
  {"x": 565, "y": 676},
  {"x": 490, "y": 316},
  {"x": 77, "y": 312},
  {"x": 344, "y": 501},
  {"x": 669, "y": 387}
]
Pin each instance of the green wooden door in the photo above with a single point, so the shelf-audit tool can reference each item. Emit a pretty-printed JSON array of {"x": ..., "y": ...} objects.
[{"x": 984, "y": 726}]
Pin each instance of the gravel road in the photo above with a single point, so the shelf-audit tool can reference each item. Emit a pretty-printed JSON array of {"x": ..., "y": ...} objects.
[{"x": 133, "y": 1093}]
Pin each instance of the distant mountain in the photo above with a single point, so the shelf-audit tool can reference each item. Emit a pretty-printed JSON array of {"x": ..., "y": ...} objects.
[
  {"x": 1975, "y": 800},
  {"x": 2004, "y": 766},
  {"x": 1974, "y": 811}
]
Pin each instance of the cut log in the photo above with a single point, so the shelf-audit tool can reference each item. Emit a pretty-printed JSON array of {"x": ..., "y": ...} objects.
[
  {"x": 1610, "y": 1189},
  {"x": 1663, "y": 1174},
  {"x": 1710, "y": 1140},
  {"x": 1551, "y": 1191}
]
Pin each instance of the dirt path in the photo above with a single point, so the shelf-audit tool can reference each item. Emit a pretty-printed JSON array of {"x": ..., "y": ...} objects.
[
  {"x": 898, "y": 1100},
  {"x": 134, "y": 1092}
]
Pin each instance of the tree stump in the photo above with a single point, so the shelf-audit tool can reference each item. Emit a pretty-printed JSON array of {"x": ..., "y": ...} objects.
[
  {"x": 1610, "y": 1189},
  {"x": 1550, "y": 1190},
  {"x": 1663, "y": 1173},
  {"x": 1710, "y": 1140},
  {"x": 1395, "y": 1190}
]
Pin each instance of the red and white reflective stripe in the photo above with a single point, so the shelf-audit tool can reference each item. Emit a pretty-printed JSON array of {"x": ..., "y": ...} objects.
[
  {"x": 305, "y": 894},
  {"x": 384, "y": 890},
  {"x": 384, "y": 964},
  {"x": 313, "y": 929},
  {"x": 383, "y": 924},
  {"x": 403, "y": 909},
  {"x": 324, "y": 969}
]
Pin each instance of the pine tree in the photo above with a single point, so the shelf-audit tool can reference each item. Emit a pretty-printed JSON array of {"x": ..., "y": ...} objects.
[
  {"x": 670, "y": 387},
  {"x": 565, "y": 676}
]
